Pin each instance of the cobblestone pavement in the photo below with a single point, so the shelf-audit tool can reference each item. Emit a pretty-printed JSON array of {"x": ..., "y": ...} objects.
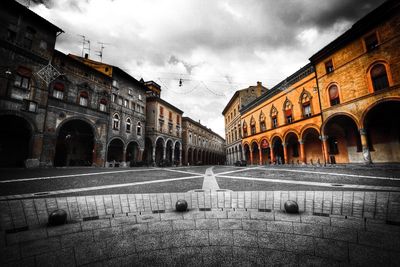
[{"x": 221, "y": 227}]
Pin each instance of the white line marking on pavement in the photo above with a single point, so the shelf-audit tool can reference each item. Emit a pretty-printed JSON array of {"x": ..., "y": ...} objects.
[
  {"x": 175, "y": 170},
  {"x": 331, "y": 173},
  {"x": 371, "y": 187},
  {"x": 70, "y": 175},
  {"x": 239, "y": 170},
  {"x": 101, "y": 187},
  {"x": 209, "y": 182}
]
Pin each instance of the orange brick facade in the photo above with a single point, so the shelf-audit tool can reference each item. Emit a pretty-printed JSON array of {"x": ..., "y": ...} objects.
[{"x": 354, "y": 96}]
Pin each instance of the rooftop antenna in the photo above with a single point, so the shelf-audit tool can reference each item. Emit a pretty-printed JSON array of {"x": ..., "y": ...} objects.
[
  {"x": 85, "y": 45},
  {"x": 100, "y": 53}
]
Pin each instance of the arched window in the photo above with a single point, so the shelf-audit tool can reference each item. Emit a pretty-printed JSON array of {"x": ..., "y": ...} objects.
[
  {"x": 58, "y": 90},
  {"x": 305, "y": 101},
  {"x": 262, "y": 122},
  {"x": 116, "y": 122},
  {"x": 379, "y": 77},
  {"x": 103, "y": 105},
  {"x": 244, "y": 129},
  {"x": 139, "y": 129},
  {"x": 253, "y": 125},
  {"x": 333, "y": 92},
  {"x": 128, "y": 125},
  {"x": 274, "y": 117},
  {"x": 83, "y": 99},
  {"x": 287, "y": 107}
]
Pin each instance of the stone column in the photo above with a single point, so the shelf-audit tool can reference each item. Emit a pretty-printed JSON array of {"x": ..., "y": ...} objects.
[
  {"x": 243, "y": 157},
  {"x": 123, "y": 163},
  {"x": 285, "y": 153},
  {"x": 164, "y": 152},
  {"x": 271, "y": 151},
  {"x": 180, "y": 157},
  {"x": 153, "y": 156},
  {"x": 140, "y": 156},
  {"x": 302, "y": 152},
  {"x": 365, "y": 148},
  {"x": 251, "y": 157},
  {"x": 260, "y": 153},
  {"x": 325, "y": 149}
]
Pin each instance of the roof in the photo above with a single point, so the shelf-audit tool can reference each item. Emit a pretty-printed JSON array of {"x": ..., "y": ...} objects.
[
  {"x": 201, "y": 126},
  {"x": 281, "y": 86},
  {"x": 236, "y": 94},
  {"x": 365, "y": 24},
  {"x": 158, "y": 99},
  {"x": 23, "y": 10}
]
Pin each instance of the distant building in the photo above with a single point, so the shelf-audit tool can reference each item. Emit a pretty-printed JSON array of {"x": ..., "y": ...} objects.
[
  {"x": 163, "y": 145},
  {"x": 201, "y": 145},
  {"x": 26, "y": 47},
  {"x": 233, "y": 133}
]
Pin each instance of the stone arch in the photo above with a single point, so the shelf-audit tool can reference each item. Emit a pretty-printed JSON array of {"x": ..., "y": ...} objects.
[
  {"x": 307, "y": 126},
  {"x": 132, "y": 153},
  {"x": 312, "y": 144},
  {"x": 277, "y": 147},
  {"x": 96, "y": 134}
]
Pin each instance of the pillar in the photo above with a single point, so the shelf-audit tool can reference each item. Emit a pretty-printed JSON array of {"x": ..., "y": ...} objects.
[
  {"x": 164, "y": 150},
  {"x": 124, "y": 158},
  {"x": 153, "y": 156},
  {"x": 260, "y": 153},
  {"x": 271, "y": 151},
  {"x": 302, "y": 152},
  {"x": 285, "y": 153},
  {"x": 251, "y": 157},
  {"x": 365, "y": 148},
  {"x": 180, "y": 156},
  {"x": 325, "y": 148},
  {"x": 140, "y": 155}
]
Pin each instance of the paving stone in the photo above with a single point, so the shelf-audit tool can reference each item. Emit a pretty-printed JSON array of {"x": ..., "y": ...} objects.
[
  {"x": 216, "y": 214},
  {"x": 271, "y": 240},
  {"x": 299, "y": 244},
  {"x": 85, "y": 254},
  {"x": 307, "y": 229},
  {"x": 25, "y": 262},
  {"x": 197, "y": 238},
  {"x": 308, "y": 260},
  {"x": 155, "y": 258},
  {"x": 75, "y": 239},
  {"x": 171, "y": 216},
  {"x": 243, "y": 238},
  {"x": 174, "y": 239},
  {"x": 347, "y": 223},
  {"x": 144, "y": 218},
  {"x": 36, "y": 247},
  {"x": 63, "y": 257},
  {"x": 278, "y": 258},
  {"x": 134, "y": 230},
  {"x": 332, "y": 249},
  {"x": 130, "y": 260},
  {"x": 368, "y": 256},
  {"x": 95, "y": 224},
  {"x": 120, "y": 247},
  {"x": 255, "y": 225},
  {"x": 64, "y": 229},
  {"x": 284, "y": 227},
  {"x": 281, "y": 216},
  {"x": 221, "y": 237},
  {"x": 147, "y": 242},
  {"x": 230, "y": 224},
  {"x": 24, "y": 236},
  {"x": 207, "y": 224},
  {"x": 238, "y": 214},
  {"x": 265, "y": 216},
  {"x": 315, "y": 219},
  {"x": 123, "y": 220},
  {"x": 187, "y": 256},
  {"x": 217, "y": 256},
  {"x": 162, "y": 226},
  {"x": 194, "y": 214},
  {"x": 337, "y": 233},
  {"x": 107, "y": 233},
  {"x": 9, "y": 254},
  {"x": 183, "y": 225}
]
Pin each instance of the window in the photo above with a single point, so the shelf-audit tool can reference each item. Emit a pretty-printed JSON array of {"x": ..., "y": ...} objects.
[
  {"x": 161, "y": 112},
  {"x": 170, "y": 128},
  {"x": 305, "y": 100},
  {"x": 116, "y": 122},
  {"x": 29, "y": 105},
  {"x": 244, "y": 129},
  {"x": 274, "y": 117},
  {"x": 103, "y": 105},
  {"x": 371, "y": 42},
  {"x": 128, "y": 125},
  {"x": 12, "y": 33},
  {"x": 161, "y": 126},
  {"x": 170, "y": 116},
  {"x": 334, "y": 95},
  {"x": 140, "y": 97},
  {"x": 274, "y": 122},
  {"x": 21, "y": 81},
  {"x": 329, "y": 66},
  {"x": 28, "y": 38},
  {"x": 139, "y": 129},
  {"x": 288, "y": 115},
  {"x": 58, "y": 90},
  {"x": 178, "y": 119},
  {"x": 307, "y": 110},
  {"x": 120, "y": 101},
  {"x": 115, "y": 84},
  {"x": 125, "y": 103},
  {"x": 130, "y": 92},
  {"x": 190, "y": 138},
  {"x": 379, "y": 77},
  {"x": 113, "y": 98},
  {"x": 252, "y": 126},
  {"x": 83, "y": 99},
  {"x": 263, "y": 126}
]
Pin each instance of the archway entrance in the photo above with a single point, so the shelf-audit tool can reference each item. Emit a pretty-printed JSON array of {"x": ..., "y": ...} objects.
[
  {"x": 168, "y": 151},
  {"x": 75, "y": 142},
  {"x": 247, "y": 153},
  {"x": 265, "y": 152},
  {"x": 132, "y": 154},
  {"x": 292, "y": 148},
  {"x": 383, "y": 132},
  {"x": 344, "y": 144},
  {"x": 190, "y": 156},
  {"x": 312, "y": 146},
  {"x": 255, "y": 153},
  {"x": 15, "y": 137},
  {"x": 159, "y": 151},
  {"x": 278, "y": 151},
  {"x": 115, "y": 151},
  {"x": 177, "y": 153},
  {"x": 148, "y": 151}
]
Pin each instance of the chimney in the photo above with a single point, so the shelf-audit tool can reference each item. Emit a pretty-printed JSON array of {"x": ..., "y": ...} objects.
[
  {"x": 259, "y": 83},
  {"x": 86, "y": 55},
  {"x": 259, "y": 89}
]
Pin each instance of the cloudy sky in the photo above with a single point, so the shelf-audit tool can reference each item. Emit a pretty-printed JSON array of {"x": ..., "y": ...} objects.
[{"x": 215, "y": 46}]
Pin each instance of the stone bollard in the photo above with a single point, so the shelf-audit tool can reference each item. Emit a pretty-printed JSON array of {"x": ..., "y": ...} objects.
[
  {"x": 57, "y": 217},
  {"x": 291, "y": 206},
  {"x": 181, "y": 205}
]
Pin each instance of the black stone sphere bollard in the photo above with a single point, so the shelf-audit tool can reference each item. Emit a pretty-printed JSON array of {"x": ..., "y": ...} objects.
[
  {"x": 291, "y": 206},
  {"x": 58, "y": 217},
  {"x": 181, "y": 205}
]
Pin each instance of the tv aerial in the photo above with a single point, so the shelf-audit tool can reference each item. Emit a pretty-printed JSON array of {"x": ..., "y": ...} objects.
[{"x": 100, "y": 52}]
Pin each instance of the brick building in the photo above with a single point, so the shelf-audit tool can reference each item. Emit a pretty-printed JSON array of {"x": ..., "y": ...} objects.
[
  {"x": 233, "y": 134},
  {"x": 26, "y": 47},
  {"x": 201, "y": 145}
]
